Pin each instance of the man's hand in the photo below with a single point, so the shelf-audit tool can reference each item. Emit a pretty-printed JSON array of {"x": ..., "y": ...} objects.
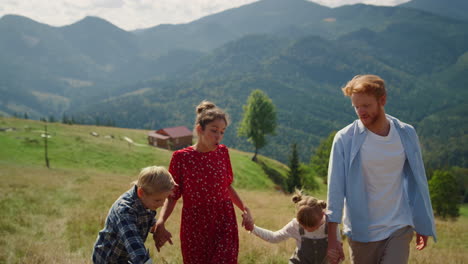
[
  {"x": 335, "y": 252},
  {"x": 161, "y": 236},
  {"x": 421, "y": 241}
]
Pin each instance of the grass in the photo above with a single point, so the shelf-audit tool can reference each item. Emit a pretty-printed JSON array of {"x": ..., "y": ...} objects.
[
  {"x": 54, "y": 215},
  {"x": 73, "y": 146}
]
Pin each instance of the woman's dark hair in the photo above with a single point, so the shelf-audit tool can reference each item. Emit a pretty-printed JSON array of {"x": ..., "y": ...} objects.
[{"x": 208, "y": 112}]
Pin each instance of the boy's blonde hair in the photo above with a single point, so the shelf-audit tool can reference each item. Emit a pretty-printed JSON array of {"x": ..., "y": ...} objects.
[
  {"x": 309, "y": 209},
  {"x": 368, "y": 84},
  {"x": 155, "y": 179}
]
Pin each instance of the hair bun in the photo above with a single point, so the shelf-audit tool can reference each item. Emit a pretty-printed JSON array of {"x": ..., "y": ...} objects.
[
  {"x": 205, "y": 105},
  {"x": 296, "y": 198},
  {"x": 322, "y": 204}
]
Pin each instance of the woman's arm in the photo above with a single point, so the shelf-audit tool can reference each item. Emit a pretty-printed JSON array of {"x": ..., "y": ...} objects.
[
  {"x": 160, "y": 234},
  {"x": 236, "y": 199},
  {"x": 247, "y": 220}
]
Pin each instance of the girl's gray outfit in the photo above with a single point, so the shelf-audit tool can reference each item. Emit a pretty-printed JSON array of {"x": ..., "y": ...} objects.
[
  {"x": 311, "y": 246},
  {"x": 312, "y": 251}
]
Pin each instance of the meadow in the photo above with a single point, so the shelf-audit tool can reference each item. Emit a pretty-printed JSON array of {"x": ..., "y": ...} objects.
[{"x": 53, "y": 215}]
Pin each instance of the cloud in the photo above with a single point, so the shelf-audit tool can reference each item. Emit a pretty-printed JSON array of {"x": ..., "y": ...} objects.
[{"x": 93, "y": 4}]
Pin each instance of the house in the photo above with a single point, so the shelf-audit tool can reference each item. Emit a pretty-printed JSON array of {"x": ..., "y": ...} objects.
[{"x": 171, "y": 138}]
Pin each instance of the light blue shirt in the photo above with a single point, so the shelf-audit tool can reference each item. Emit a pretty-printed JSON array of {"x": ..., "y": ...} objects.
[{"x": 346, "y": 186}]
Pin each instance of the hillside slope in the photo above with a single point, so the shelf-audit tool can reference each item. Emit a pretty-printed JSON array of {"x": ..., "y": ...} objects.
[{"x": 73, "y": 147}]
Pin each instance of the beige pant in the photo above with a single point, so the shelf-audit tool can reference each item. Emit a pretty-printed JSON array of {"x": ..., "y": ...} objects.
[{"x": 393, "y": 250}]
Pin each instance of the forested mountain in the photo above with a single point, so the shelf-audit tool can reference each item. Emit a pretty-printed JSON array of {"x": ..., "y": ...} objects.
[
  {"x": 298, "y": 52},
  {"x": 454, "y": 8},
  {"x": 47, "y": 70},
  {"x": 303, "y": 79},
  {"x": 207, "y": 33}
]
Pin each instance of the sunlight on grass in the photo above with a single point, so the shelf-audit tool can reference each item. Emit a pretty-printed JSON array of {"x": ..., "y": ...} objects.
[{"x": 54, "y": 215}]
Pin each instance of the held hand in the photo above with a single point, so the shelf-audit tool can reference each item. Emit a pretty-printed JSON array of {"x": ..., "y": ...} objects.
[
  {"x": 161, "y": 236},
  {"x": 247, "y": 220},
  {"x": 335, "y": 252},
  {"x": 421, "y": 241}
]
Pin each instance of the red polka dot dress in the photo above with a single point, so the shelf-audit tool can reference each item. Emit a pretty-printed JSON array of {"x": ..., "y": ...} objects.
[{"x": 208, "y": 231}]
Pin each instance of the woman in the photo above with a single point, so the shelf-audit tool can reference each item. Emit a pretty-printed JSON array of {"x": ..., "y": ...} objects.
[{"x": 204, "y": 176}]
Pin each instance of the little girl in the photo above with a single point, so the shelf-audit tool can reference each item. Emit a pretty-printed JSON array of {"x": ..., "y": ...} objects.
[{"x": 309, "y": 229}]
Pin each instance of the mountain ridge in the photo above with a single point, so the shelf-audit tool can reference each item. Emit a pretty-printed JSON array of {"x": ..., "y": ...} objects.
[{"x": 301, "y": 68}]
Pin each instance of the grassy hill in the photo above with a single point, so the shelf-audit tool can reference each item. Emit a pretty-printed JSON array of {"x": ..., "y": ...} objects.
[
  {"x": 74, "y": 147},
  {"x": 53, "y": 215}
]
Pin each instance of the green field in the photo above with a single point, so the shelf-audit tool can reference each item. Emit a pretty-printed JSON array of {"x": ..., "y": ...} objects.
[{"x": 53, "y": 215}]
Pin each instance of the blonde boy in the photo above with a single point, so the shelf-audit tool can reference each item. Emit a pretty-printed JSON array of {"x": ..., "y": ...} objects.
[{"x": 131, "y": 217}]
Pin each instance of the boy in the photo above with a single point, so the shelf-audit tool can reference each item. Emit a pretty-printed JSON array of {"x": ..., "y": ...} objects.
[{"x": 131, "y": 217}]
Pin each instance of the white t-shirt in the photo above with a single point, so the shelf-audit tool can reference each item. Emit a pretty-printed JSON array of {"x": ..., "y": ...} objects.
[
  {"x": 291, "y": 230},
  {"x": 383, "y": 158}
]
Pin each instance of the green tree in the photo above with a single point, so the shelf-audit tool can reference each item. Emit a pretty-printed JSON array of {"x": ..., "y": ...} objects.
[
  {"x": 294, "y": 174},
  {"x": 319, "y": 161},
  {"x": 259, "y": 119},
  {"x": 308, "y": 178},
  {"x": 444, "y": 193},
  {"x": 65, "y": 119}
]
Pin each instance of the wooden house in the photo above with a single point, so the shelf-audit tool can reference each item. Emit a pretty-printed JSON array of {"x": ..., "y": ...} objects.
[{"x": 171, "y": 138}]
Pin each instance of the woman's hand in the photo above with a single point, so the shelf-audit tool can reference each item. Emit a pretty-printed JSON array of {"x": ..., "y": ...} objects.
[
  {"x": 161, "y": 235},
  {"x": 247, "y": 220}
]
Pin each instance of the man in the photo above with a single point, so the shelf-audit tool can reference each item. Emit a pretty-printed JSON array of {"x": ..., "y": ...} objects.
[{"x": 376, "y": 174}]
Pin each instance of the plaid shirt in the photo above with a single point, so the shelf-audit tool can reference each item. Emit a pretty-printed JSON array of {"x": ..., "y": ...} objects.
[{"x": 123, "y": 238}]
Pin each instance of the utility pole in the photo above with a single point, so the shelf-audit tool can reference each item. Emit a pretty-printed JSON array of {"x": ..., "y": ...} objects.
[{"x": 46, "y": 135}]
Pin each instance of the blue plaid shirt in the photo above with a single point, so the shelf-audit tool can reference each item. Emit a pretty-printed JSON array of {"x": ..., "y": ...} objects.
[{"x": 123, "y": 238}]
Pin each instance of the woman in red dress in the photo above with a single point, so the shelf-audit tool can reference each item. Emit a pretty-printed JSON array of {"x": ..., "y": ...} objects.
[{"x": 204, "y": 176}]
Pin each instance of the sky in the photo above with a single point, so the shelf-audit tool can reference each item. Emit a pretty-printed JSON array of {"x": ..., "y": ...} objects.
[{"x": 137, "y": 14}]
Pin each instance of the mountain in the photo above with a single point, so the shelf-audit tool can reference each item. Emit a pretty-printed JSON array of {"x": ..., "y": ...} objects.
[
  {"x": 303, "y": 78},
  {"x": 46, "y": 70},
  {"x": 285, "y": 18},
  {"x": 105, "y": 43},
  {"x": 457, "y": 9},
  {"x": 207, "y": 33},
  {"x": 298, "y": 52}
]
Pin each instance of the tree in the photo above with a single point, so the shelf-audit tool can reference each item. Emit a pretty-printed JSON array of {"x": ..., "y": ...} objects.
[
  {"x": 444, "y": 193},
  {"x": 321, "y": 157},
  {"x": 259, "y": 119},
  {"x": 65, "y": 119},
  {"x": 294, "y": 174},
  {"x": 308, "y": 178}
]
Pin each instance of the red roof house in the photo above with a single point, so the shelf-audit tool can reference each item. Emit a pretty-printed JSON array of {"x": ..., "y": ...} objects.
[{"x": 171, "y": 138}]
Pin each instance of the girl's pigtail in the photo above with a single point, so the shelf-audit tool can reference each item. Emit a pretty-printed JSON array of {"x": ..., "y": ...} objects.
[
  {"x": 297, "y": 197},
  {"x": 322, "y": 204}
]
